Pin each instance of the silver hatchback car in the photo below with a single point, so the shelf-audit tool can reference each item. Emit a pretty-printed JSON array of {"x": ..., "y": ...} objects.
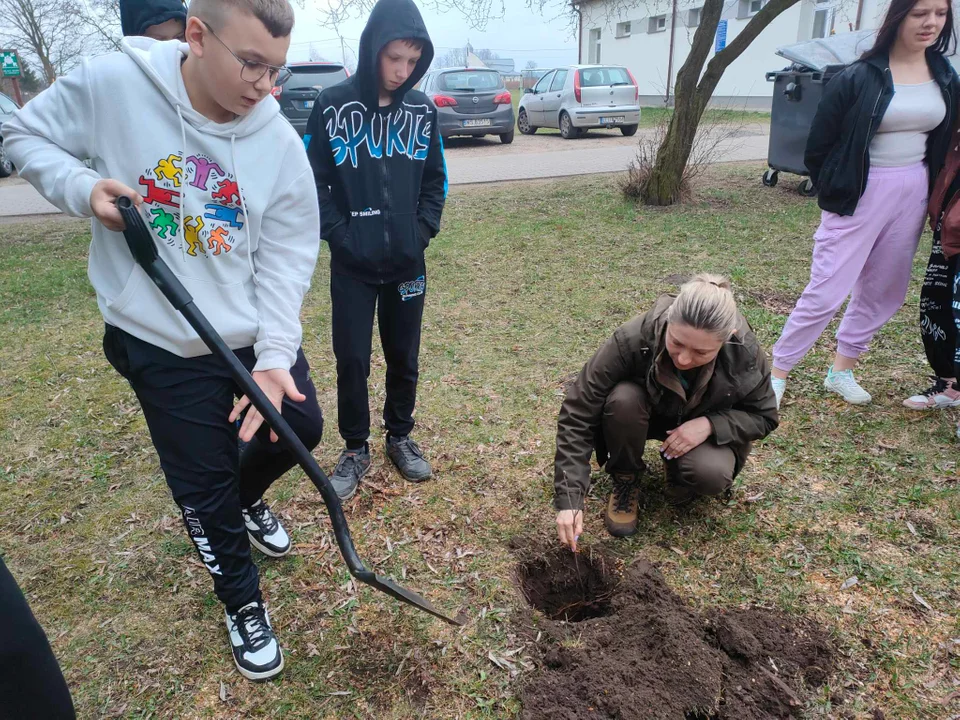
[{"x": 580, "y": 97}]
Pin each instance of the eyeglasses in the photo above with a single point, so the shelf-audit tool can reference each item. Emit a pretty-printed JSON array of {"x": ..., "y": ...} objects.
[{"x": 252, "y": 71}]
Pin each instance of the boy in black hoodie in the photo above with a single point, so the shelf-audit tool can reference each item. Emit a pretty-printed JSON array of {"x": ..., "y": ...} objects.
[
  {"x": 377, "y": 158},
  {"x": 157, "y": 19}
]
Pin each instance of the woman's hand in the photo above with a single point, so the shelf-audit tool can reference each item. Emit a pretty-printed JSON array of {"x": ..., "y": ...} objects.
[
  {"x": 570, "y": 527},
  {"x": 685, "y": 438}
]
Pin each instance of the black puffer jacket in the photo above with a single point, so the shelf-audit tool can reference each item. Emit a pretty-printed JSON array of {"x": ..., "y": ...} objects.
[
  {"x": 380, "y": 173},
  {"x": 853, "y": 105}
]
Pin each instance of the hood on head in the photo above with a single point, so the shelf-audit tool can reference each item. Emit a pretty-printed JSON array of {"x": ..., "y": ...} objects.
[
  {"x": 160, "y": 61},
  {"x": 390, "y": 20},
  {"x": 137, "y": 15}
]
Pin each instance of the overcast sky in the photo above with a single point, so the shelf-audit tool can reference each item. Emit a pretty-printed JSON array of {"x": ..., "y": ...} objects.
[{"x": 520, "y": 35}]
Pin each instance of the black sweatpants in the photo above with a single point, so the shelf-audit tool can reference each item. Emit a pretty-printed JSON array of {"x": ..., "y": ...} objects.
[
  {"x": 399, "y": 308},
  {"x": 31, "y": 684},
  {"x": 940, "y": 312},
  {"x": 186, "y": 403}
]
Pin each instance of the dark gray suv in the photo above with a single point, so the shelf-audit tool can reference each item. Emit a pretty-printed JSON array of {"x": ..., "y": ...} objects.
[
  {"x": 297, "y": 96},
  {"x": 471, "y": 101}
]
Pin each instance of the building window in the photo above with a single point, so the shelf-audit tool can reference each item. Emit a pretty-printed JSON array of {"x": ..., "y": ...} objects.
[
  {"x": 593, "y": 52},
  {"x": 749, "y": 8},
  {"x": 693, "y": 17},
  {"x": 623, "y": 29},
  {"x": 658, "y": 23},
  {"x": 822, "y": 23}
]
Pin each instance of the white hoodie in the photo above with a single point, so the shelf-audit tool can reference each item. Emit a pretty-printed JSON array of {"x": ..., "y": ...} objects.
[{"x": 249, "y": 245}]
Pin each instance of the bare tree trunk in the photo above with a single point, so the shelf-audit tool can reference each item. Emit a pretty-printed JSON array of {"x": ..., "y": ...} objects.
[
  {"x": 45, "y": 31},
  {"x": 665, "y": 183}
]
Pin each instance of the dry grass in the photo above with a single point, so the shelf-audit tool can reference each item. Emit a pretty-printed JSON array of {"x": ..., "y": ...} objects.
[{"x": 524, "y": 283}]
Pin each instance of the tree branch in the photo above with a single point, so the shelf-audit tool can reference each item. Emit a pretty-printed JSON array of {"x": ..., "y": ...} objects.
[{"x": 768, "y": 13}]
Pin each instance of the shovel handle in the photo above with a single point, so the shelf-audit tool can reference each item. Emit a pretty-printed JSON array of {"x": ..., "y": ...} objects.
[{"x": 145, "y": 253}]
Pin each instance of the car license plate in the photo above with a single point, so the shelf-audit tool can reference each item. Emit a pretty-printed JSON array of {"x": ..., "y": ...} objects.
[
  {"x": 478, "y": 122},
  {"x": 615, "y": 119},
  {"x": 308, "y": 104}
]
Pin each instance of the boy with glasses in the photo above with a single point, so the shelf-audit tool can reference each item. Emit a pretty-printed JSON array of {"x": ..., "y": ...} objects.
[{"x": 223, "y": 181}]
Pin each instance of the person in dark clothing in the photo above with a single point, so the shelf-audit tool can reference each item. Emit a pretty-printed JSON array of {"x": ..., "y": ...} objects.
[
  {"x": 157, "y": 19},
  {"x": 879, "y": 137},
  {"x": 377, "y": 158},
  {"x": 940, "y": 295},
  {"x": 689, "y": 372},
  {"x": 31, "y": 684}
]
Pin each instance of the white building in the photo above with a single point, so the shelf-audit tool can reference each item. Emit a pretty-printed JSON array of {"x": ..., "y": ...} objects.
[{"x": 640, "y": 38}]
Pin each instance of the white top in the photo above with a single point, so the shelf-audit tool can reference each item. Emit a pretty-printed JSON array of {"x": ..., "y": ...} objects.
[
  {"x": 914, "y": 112},
  {"x": 232, "y": 206}
]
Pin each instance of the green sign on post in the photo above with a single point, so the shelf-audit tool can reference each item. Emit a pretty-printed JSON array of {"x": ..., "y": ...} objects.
[{"x": 10, "y": 63}]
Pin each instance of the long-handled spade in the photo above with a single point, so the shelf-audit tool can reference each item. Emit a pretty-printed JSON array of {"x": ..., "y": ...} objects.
[{"x": 145, "y": 253}]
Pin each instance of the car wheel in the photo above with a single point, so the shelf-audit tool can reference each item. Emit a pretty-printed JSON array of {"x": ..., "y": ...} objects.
[
  {"x": 567, "y": 130},
  {"x": 507, "y": 138},
  {"x": 629, "y": 130},
  {"x": 523, "y": 122},
  {"x": 6, "y": 166}
]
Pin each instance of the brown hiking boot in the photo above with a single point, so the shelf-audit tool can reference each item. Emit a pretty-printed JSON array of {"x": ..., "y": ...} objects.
[{"x": 623, "y": 505}]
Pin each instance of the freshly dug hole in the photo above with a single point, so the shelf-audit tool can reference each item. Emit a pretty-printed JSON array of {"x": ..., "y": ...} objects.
[
  {"x": 649, "y": 656},
  {"x": 568, "y": 586}
]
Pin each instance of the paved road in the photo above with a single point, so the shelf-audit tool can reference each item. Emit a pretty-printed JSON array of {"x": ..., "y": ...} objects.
[
  {"x": 484, "y": 161},
  {"x": 568, "y": 159}
]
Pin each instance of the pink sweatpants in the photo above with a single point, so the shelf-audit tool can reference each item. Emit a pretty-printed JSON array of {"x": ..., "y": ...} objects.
[{"x": 867, "y": 256}]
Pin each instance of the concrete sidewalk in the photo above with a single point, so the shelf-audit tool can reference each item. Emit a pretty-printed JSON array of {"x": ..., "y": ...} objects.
[
  {"x": 566, "y": 163},
  {"x": 18, "y": 199}
]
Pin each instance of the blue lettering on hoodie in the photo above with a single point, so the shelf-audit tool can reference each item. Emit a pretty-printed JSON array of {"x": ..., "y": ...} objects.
[{"x": 353, "y": 130}]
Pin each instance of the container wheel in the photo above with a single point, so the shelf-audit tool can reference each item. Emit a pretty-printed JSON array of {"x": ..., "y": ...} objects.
[
  {"x": 770, "y": 178},
  {"x": 807, "y": 188}
]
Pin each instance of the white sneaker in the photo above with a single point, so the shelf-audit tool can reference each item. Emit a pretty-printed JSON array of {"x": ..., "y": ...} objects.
[
  {"x": 846, "y": 386},
  {"x": 266, "y": 533},
  {"x": 942, "y": 394},
  {"x": 779, "y": 388},
  {"x": 256, "y": 651}
]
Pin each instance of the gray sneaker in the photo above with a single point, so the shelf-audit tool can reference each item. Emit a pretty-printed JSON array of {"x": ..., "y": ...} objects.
[
  {"x": 408, "y": 457},
  {"x": 352, "y": 466}
]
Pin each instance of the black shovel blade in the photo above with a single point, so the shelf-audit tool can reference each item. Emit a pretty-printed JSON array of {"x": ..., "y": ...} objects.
[{"x": 407, "y": 596}]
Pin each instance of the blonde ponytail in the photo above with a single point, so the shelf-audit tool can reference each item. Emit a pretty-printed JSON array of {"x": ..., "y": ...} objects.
[{"x": 706, "y": 303}]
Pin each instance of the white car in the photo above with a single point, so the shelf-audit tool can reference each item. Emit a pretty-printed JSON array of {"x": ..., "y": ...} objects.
[{"x": 580, "y": 97}]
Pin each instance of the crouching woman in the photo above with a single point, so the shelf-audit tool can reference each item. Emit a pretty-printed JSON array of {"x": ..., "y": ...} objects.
[{"x": 689, "y": 373}]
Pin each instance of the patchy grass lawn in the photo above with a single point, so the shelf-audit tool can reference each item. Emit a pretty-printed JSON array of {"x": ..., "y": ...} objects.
[{"x": 524, "y": 283}]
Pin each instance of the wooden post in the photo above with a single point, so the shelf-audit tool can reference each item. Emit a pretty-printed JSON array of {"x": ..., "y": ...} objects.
[{"x": 16, "y": 92}]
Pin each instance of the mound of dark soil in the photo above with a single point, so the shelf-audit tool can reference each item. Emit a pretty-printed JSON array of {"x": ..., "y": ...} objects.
[{"x": 648, "y": 656}]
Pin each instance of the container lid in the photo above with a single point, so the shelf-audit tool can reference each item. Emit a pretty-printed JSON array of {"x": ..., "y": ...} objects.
[{"x": 819, "y": 53}]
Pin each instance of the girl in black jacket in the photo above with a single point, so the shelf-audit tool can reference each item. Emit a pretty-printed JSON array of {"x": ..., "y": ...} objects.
[{"x": 880, "y": 134}]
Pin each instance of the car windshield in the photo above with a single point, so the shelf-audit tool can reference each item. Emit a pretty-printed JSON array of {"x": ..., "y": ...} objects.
[
  {"x": 470, "y": 81},
  {"x": 604, "y": 76},
  {"x": 315, "y": 78}
]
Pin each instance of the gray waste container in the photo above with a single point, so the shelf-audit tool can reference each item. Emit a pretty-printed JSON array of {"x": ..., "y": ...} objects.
[{"x": 796, "y": 95}]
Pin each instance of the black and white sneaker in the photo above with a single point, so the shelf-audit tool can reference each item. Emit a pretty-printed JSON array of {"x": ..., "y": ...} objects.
[
  {"x": 266, "y": 533},
  {"x": 256, "y": 650}
]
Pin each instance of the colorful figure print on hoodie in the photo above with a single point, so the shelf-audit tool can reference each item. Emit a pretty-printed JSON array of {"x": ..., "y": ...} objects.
[
  {"x": 231, "y": 205},
  {"x": 380, "y": 173},
  {"x": 162, "y": 188}
]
